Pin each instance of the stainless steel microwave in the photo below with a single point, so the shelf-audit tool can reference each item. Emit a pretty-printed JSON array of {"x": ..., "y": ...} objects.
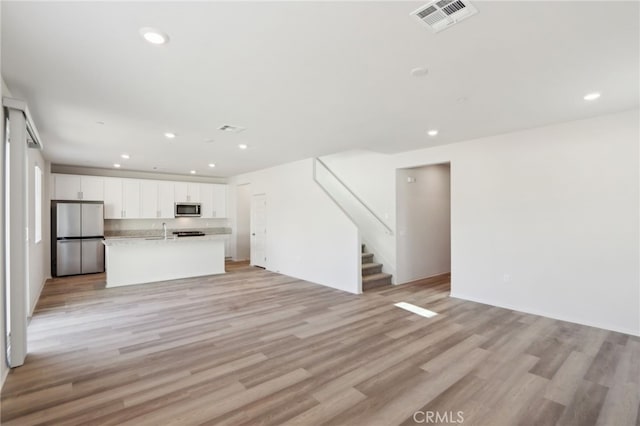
[{"x": 188, "y": 210}]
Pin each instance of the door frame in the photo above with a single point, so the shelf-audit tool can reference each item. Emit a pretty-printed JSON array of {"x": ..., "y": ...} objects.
[{"x": 252, "y": 229}]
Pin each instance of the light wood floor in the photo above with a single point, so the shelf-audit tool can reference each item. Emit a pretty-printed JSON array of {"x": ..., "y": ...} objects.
[{"x": 257, "y": 348}]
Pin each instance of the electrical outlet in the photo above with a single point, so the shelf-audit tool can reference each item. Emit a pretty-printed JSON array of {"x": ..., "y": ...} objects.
[{"x": 506, "y": 278}]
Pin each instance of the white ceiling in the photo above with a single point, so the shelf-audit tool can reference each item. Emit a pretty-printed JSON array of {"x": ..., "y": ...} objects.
[{"x": 305, "y": 78}]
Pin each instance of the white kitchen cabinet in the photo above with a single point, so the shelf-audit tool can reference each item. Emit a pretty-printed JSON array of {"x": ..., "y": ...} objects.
[
  {"x": 92, "y": 188},
  {"x": 156, "y": 199},
  {"x": 122, "y": 198},
  {"x": 213, "y": 198},
  {"x": 76, "y": 187},
  {"x": 113, "y": 198},
  {"x": 186, "y": 192},
  {"x": 131, "y": 199},
  {"x": 66, "y": 187},
  {"x": 219, "y": 200},
  {"x": 149, "y": 199},
  {"x": 206, "y": 200},
  {"x": 140, "y": 198},
  {"x": 166, "y": 200}
]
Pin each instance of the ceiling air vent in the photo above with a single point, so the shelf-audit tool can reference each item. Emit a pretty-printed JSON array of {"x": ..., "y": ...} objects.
[
  {"x": 441, "y": 14},
  {"x": 231, "y": 129}
]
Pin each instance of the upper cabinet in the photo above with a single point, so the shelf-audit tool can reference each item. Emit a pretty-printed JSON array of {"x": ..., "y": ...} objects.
[
  {"x": 219, "y": 200},
  {"x": 113, "y": 198},
  {"x": 206, "y": 200},
  {"x": 122, "y": 198},
  {"x": 156, "y": 199},
  {"x": 149, "y": 199},
  {"x": 186, "y": 192},
  {"x": 131, "y": 198},
  {"x": 213, "y": 198},
  {"x": 76, "y": 187},
  {"x": 141, "y": 198},
  {"x": 166, "y": 199}
]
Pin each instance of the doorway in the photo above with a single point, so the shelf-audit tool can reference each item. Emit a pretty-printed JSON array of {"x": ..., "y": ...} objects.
[
  {"x": 423, "y": 222},
  {"x": 243, "y": 222},
  {"x": 259, "y": 230}
]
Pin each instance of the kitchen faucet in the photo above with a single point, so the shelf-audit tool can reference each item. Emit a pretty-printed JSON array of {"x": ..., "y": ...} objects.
[{"x": 164, "y": 229}]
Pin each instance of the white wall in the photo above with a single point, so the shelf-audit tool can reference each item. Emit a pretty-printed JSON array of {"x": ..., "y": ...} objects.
[
  {"x": 308, "y": 236},
  {"x": 39, "y": 253},
  {"x": 543, "y": 220},
  {"x": 423, "y": 222}
]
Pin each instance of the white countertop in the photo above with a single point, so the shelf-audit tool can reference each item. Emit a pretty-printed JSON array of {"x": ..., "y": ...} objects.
[{"x": 122, "y": 241}]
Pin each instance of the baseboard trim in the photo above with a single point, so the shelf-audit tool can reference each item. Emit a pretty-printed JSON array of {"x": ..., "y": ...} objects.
[
  {"x": 427, "y": 280},
  {"x": 545, "y": 314},
  {"x": 35, "y": 303}
]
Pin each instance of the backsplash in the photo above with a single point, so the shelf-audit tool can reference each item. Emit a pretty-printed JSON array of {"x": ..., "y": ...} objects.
[{"x": 156, "y": 224}]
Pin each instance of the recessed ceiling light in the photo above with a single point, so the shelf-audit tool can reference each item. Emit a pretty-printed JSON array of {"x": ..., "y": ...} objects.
[
  {"x": 243, "y": 146},
  {"x": 154, "y": 36},
  {"x": 193, "y": 172},
  {"x": 419, "y": 72},
  {"x": 432, "y": 132},
  {"x": 116, "y": 165},
  {"x": 125, "y": 156},
  {"x": 169, "y": 135},
  {"x": 591, "y": 96},
  {"x": 212, "y": 165}
]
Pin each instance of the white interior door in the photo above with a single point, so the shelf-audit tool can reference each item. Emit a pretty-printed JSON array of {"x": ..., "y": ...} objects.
[
  {"x": 243, "y": 222},
  {"x": 259, "y": 230}
]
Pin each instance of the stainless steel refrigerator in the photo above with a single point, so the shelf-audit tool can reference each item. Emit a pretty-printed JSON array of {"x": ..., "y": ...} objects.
[{"x": 77, "y": 231}]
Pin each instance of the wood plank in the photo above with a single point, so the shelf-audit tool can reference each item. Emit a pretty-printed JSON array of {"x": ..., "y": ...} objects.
[{"x": 257, "y": 348}]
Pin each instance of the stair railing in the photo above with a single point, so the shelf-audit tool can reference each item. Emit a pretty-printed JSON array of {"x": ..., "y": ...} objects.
[{"x": 352, "y": 205}]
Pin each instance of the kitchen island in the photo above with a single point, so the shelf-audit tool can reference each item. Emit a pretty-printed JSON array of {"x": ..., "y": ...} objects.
[{"x": 132, "y": 261}]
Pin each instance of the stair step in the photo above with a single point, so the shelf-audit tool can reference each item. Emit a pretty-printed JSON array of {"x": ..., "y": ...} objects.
[
  {"x": 371, "y": 268},
  {"x": 367, "y": 258},
  {"x": 375, "y": 280}
]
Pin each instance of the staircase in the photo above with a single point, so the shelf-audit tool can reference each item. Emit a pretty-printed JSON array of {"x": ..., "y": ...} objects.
[
  {"x": 372, "y": 275},
  {"x": 371, "y": 227}
]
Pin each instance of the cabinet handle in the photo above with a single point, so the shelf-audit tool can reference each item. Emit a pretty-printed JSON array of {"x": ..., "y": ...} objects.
[{"x": 188, "y": 197}]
